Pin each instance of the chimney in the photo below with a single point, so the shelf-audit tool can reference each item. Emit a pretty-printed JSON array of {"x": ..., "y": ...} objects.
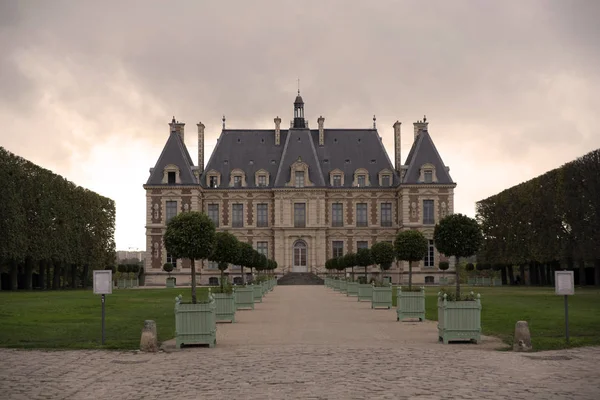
[
  {"x": 397, "y": 149},
  {"x": 320, "y": 122},
  {"x": 420, "y": 126},
  {"x": 277, "y": 121},
  {"x": 177, "y": 126},
  {"x": 200, "y": 147}
]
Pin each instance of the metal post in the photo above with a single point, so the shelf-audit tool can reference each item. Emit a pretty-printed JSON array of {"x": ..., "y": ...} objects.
[
  {"x": 567, "y": 318},
  {"x": 103, "y": 301}
]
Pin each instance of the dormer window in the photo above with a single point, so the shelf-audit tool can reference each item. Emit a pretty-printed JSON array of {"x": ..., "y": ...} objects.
[
  {"x": 262, "y": 181},
  {"x": 261, "y": 178},
  {"x": 337, "y": 180},
  {"x": 385, "y": 180},
  {"x": 361, "y": 181},
  {"x": 213, "y": 181},
  {"x": 237, "y": 178},
  {"x": 171, "y": 177},
  {"x": 237, "y": 181},
  {"x": 428, "y": 176},
  {"x": 299, "y": 179}
]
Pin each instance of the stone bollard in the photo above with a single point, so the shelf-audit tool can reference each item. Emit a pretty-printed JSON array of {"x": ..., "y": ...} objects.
[
  {"x": 149, "y": 342},
  {"x": 522, "y": 341}
]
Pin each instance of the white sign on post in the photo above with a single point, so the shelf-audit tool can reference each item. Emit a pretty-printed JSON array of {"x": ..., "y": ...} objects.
[
  {"x": 564, "y": 283},
  {"x": 103, "y": 282}
]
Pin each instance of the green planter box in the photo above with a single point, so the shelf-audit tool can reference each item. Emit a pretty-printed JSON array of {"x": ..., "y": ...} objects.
[
  {"x": 410, "y": 304},
  {"x": 244, "y": 297},
  {"x": 365, "y": 292},
  {"x": 443, "y": 280},
  {"x": 257, "y": 293},
  {"x": 352, "y": 289},
  {"x": 336, "y": 285},
  {"x": 225, "y": 303},
  {"x": 343, "y": 286},
  {"x": 121, "y": 283},
  {"x": 133, "y": 283},
  {"x": 195, "y": 323},
  {"x": 326, "y": 281},
  {"x": 264, "y": 288},
  {"x": 459, "y": 320},
  {"x": 171, "y": 283},
  {"x": 382, "y": 297},
  {"x": 497, "y": 282}
]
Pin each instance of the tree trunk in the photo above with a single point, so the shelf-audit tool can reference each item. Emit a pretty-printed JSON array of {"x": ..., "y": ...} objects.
[
  {"x": 56, "y": 277},
  {"x": 243, "y": 278},
  {"x": 582, "y": 280},
  {"x": 409, "y": 276},
  {"x": 503, "y": 274},
  {"x": 73, "y": 276},
  {"x": 65, "y": 274},
  {"x": 597, "y": 272},
  {"x": 49, "y": 275},
  {"x": 543, "y": 280},
  {"x": 522, "y": 279},
  {"x": 84, "y": 276},
  {"x": 42, "y": 280},
  {"x": 352, "y": 273},
  {"x": 28, "y": 273},
  {"x": 366, "y": 279},
  {"x": 193, "y": 265},
  {"x": 511, "y": 275},
  {"x": 14, "y": 275},
  {"x": 222, "y": 277},
  {"x": 457, "y": 271}
]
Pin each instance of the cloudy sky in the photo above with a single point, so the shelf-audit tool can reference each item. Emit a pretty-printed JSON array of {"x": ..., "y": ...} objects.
[{"x": 87, "y": 88}]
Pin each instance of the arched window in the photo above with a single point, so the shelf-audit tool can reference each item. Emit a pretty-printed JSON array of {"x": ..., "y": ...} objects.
[
  {"x": 213, "y": 281},
  {"x": 429, "y": 279},
  {"x": 300, "y": 253}
]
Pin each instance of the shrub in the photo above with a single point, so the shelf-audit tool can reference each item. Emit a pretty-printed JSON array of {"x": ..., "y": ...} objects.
[
  {"x": 168, "y": 268},
  {"x": 444, "y": 265}
]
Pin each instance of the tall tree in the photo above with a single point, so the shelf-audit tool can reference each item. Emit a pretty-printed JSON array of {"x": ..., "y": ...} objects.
[
  {"x": 225, "y": 252},
  {"x": 410, "y": 246},
  {"x": 383, "y": 255}
]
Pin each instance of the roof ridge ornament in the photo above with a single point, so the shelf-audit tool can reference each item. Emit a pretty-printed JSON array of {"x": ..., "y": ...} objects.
[
  {"x": 223, "y": 121},
  {"x": 374, "y": 122}
]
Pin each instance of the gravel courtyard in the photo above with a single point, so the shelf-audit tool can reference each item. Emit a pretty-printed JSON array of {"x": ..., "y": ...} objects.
[{"x": 307, "y": 342}]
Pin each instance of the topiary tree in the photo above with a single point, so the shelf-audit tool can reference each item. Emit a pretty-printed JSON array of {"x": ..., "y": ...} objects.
[
  {"x": 334, "y": 262},
  {"x": 168, "y": 268},
  {"x": 383, "y": 254},
  {"x": 122, "y": 268},
  {"x": 410, "y": 246},
  {"x": 246, "y": 254},
  {"x": 190, "y": 235},
  {"x": 459, "y": 236},
  {"x": 364, "y": 258},
  {"x": 350, "y": 261},
  {"x": 340, "y": 265},
  {"x": 444, "y": 266},
  {"x": 225, "y": 252}
]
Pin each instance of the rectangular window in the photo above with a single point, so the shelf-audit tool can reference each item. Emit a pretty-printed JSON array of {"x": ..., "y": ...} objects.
[
  {"x": 237, "y": 181},
  {"x": 428, "y": 176},
  {"x": 337, "y": 214},
  {"x": 261, "y": 215},
  {"x": 428, "y": 217},
  {"x": 362, "y": 244},
  {"x": 385, "y": 181},
  {"x": 213, "y": 181},
  {"x": 213, "y": 213},
  {"x": 171, "y": 207},
  {"x": 361, "y": 214},
  {"x": 299, "y": 215},
  {"x": 299, "y": 178},
  {"x": 262, "y": 180},
  {"x": 386, "y": 214},
  {"x": 361, "y": 180},
  {"x": 237, "y": 220},
  {"x": 338, "y": 248},
  {"x": 172, "y": 260},
  {"x": 428, "y": 261},
  {"x": 212, "y": 265},
  {"x": 337, "y": 180},
  {"x": 171, "y": 177},
  {"x": 263, "y": 248}
]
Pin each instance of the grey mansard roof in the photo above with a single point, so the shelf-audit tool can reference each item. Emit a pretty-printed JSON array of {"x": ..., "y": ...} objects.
[
  {"x": 177, "y": 154},
  {"x": 423, "y": 151},
  {"x": 252, "y": 150}
]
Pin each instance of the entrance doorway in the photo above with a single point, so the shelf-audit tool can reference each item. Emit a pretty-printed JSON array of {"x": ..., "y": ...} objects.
[{"x": 300, "y": 253}]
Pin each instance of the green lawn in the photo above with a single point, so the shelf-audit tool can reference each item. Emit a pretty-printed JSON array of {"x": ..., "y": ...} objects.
[
  {"x": 72, "y": 319},
  {"x": 502, "y": 307}
]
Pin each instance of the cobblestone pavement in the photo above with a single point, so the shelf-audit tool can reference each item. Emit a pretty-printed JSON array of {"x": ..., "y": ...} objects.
[{"x": 306, "y": 342}]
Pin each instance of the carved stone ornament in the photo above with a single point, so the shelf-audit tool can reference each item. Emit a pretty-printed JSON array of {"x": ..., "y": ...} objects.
[
  {"x": 186, "y": 207},
  {"x": 443, "y": 209},
  {"x": 155, "y": 245},
  {"x": 155, "y": 206},
  {"x": 413, "y": 209}
]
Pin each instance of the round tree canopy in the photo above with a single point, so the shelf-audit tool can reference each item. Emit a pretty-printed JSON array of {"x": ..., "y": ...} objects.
[
  {"x": 411, "y": 245},
  {"x": 444, "y": 265},
  {"x": 168, "y": 267},
  {"x": 190, "y": 235},
  {"x": 458, "y": 235},
  {"x": 226, "y": 249},
  {"x": 383, "y": 254},
  {"x": 364, "y": 258}
]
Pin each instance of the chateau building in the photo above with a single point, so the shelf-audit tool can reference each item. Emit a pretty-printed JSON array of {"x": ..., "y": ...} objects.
[{"x": 300, "y": 195}]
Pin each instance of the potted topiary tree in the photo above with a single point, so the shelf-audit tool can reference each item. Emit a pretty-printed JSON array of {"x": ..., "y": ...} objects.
[
  {"x": 135, "y": 269},
  {"x": 471, "y": 280},
  {"x": 443, "y": 266},
  {"x": 410, "y": 246},
  {"x": 224, "y": 253},
  {"x": 121, "y": 281},
  {"x": 341, "y": 264},
  {"x": 349, "y": 262},
  {"x": 192, "y": 235},
  {"x": 363, "y": 258},
  {"x": 382, "y": 254},
  {"x": 171, "y": 282},
  {"x": 459, "y": 317}
]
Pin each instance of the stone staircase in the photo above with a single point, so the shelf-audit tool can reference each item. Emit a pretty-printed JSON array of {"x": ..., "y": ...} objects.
[{"x": 300, "y": 278}]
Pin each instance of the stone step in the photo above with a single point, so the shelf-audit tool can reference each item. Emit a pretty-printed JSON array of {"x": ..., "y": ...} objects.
[{"x": 300, "y": 278}]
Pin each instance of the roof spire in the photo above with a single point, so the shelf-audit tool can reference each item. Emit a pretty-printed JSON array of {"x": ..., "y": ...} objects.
[
  {"x": 374, "y": 122},
  {"x": 223, "y": 121}
]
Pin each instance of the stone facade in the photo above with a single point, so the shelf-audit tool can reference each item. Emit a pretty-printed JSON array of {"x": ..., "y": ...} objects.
[{"x": 298, "y": 244}]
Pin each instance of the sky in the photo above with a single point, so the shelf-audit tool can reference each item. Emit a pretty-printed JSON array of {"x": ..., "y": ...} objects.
[{"x": 87, "y": 88}]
